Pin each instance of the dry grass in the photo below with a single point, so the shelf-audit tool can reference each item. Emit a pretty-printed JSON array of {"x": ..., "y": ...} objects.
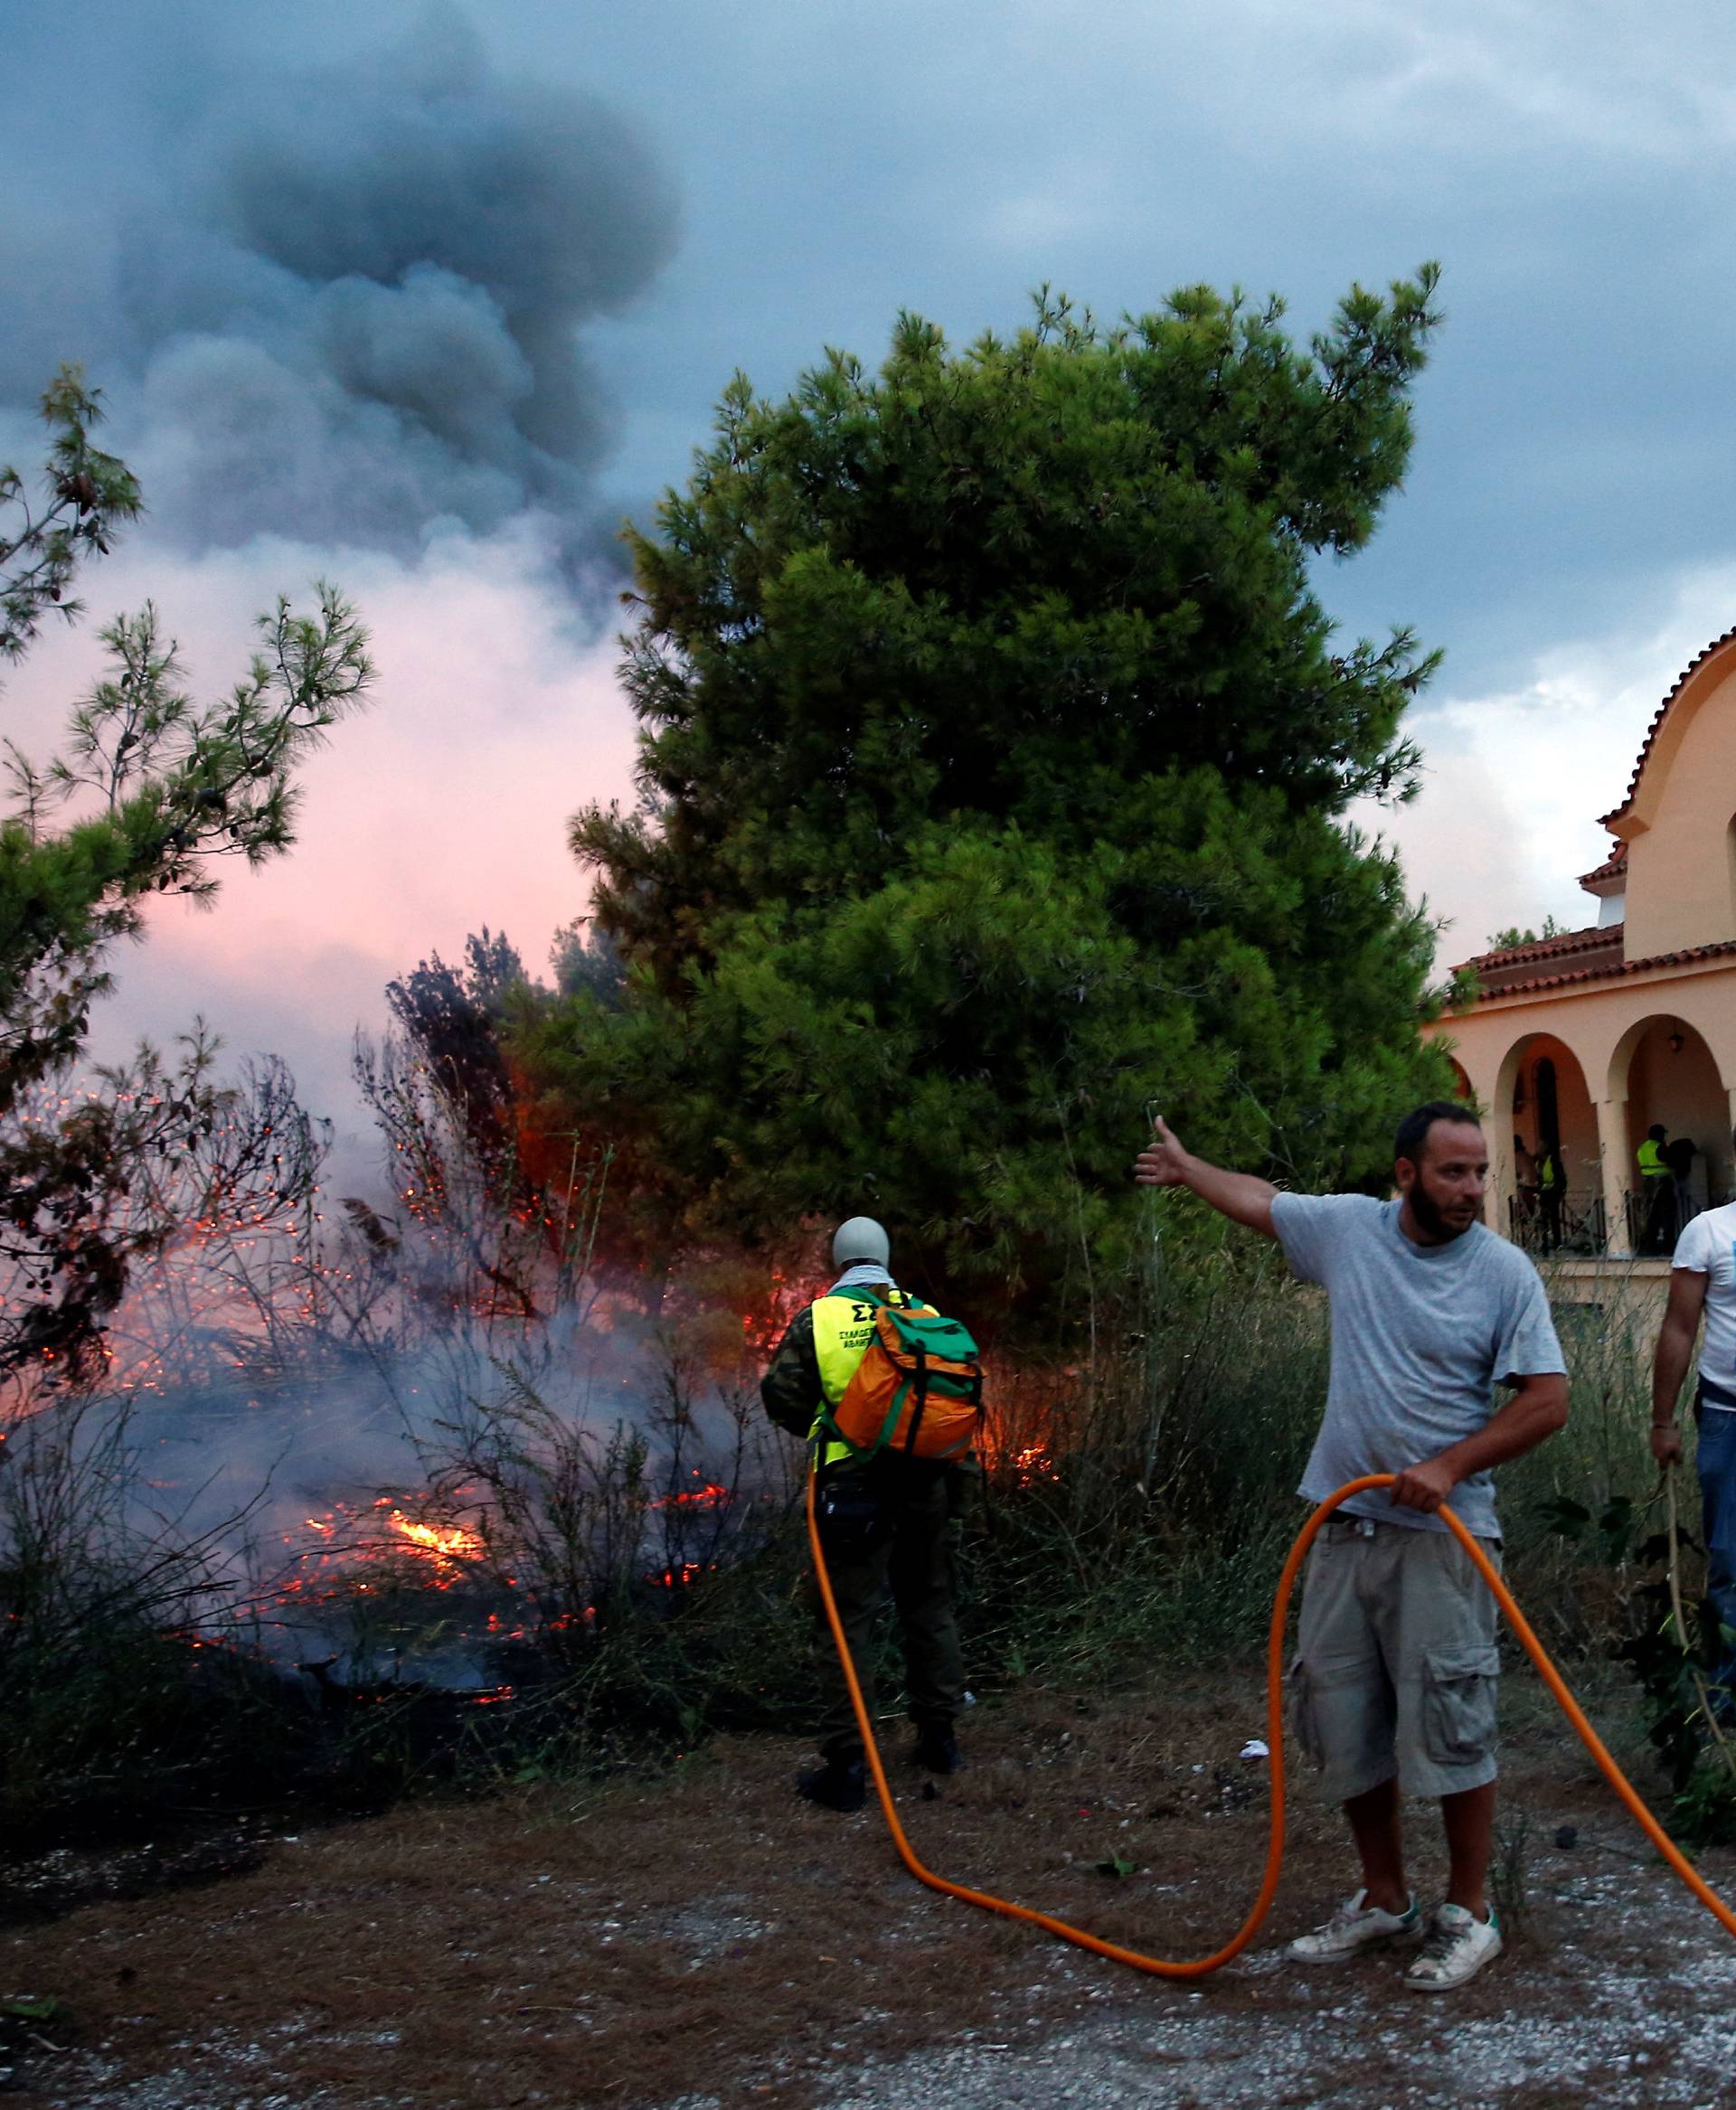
[{"x": 706, "y": 1936}]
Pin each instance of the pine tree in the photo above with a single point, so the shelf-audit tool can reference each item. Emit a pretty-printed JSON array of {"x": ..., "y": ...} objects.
[
  {"x": 147, "y": 792},
  {"x": 150, "y": 788},
  {"x": 996, "y": 752}
]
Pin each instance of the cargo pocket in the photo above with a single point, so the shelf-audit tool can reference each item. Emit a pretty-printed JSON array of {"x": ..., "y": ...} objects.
[
  {"x": 1304, "y": 1722},
  {"x": 1458, "y": 1703}
]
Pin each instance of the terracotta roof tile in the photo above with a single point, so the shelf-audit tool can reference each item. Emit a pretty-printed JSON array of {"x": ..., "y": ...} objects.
[
  {"x": 1658, "y": 716},
  {"x": 1613, "y": 868},
  {"x": 1608, "y": 970},
  {"x": 1549, "y": 948}
]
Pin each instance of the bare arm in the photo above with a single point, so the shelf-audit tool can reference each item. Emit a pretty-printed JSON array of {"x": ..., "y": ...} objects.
[
  {"x": 1240, "y": 1196},
  {"x": 1538, "y": 1409},
  {"x": 1671, "y": 1358}
]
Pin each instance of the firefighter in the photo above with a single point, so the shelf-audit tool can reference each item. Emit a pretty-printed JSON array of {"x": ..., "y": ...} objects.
[{"x": 884, "y": 1524}]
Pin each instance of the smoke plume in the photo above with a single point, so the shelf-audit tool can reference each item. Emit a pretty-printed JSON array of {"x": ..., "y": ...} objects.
[{"x": 340, "y": 305}]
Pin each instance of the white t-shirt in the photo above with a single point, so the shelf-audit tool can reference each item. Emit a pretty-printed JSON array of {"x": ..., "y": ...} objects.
[{"x": 1708, "y": 1247}]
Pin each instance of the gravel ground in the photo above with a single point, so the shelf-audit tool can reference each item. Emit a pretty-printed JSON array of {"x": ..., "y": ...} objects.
[
  {"x": 1663, "y": 2035},
  {"x": 702, "y": 1942}
]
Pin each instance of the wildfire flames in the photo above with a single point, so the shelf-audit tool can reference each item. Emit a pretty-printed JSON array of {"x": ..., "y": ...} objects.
[
  {"x": 442, "y": 1554},
  {"x": 446, "y": 1543},
  {"x": 384, "y": 1547},
  {"x": 238, "y": 1348}
]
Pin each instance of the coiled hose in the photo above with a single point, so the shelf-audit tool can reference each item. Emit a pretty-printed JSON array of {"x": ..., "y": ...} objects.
[{"x": 1200, "y": 1967}]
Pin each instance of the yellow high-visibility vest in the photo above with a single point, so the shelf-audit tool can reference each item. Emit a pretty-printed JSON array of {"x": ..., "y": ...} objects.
[
  {"x": 1651, "y": 1160},
  {"x": 844, "y": 1325}
]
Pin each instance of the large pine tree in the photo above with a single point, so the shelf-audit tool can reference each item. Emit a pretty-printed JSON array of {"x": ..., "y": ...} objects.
[{"x": 996, "y": 752}]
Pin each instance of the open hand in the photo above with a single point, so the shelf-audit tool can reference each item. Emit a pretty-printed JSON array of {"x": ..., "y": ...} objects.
[
  {"x": 1424, "y": 1487},
  {"x": 1163, "y": 1161}
]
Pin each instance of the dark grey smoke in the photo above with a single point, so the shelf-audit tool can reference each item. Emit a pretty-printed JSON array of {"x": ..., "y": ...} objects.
[{"x": 350, "y": 303}]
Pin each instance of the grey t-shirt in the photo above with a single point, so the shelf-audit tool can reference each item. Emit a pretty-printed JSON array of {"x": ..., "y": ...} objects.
[{"x": 1420, "y": 1335}]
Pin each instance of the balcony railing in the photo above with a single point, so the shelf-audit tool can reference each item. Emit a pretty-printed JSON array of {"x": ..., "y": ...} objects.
[
  {"x": 1657, "y": 1214},
  {"x": 1577, "y": 1223},
  {"x": 1652, "y": 1219}
]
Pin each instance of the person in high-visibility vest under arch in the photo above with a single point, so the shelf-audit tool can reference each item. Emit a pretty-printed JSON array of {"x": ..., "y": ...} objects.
[
  {"x": 1657, "y": 1190},
  {"x": 885, "y": 1523}
]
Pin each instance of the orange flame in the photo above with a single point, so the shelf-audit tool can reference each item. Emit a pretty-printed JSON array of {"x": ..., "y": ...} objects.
[{"x": 448, "y": 1542}]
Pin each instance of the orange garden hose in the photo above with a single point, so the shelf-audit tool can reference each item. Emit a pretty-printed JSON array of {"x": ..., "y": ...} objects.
[{"x": 1199, "y": 1966}]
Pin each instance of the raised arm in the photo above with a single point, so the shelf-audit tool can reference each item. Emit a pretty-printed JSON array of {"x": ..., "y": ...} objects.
[
  {"x": 1671, "y": 1358},
  {"x": 1240, "y": 1196}
]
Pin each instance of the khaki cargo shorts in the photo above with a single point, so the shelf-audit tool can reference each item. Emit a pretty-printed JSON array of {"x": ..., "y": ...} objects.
[{"x": 1396, "y": 1665}]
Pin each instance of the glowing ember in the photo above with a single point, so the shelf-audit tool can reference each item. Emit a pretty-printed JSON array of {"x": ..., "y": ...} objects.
[
  {"x": 1031, "y": 1464},
  {"x": 709, "y": 1494}
]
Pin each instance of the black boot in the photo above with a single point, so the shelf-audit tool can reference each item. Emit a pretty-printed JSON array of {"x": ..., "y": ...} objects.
[
  {"x": 936, "y": 1751},
  {"x": 841, "y": 1784}
]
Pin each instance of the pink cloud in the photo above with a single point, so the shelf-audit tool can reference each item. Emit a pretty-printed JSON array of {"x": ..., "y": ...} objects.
[{"x": 442, "y": 808}]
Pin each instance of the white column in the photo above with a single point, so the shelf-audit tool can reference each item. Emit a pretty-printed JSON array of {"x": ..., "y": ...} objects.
[
  {"x": 1497, "y": 1129},
  {"x": 1612, "y": 1151},
  {"x": 1503, "y": 1175}
]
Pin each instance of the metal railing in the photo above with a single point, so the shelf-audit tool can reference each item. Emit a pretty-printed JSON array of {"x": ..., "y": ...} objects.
[
  {"x": 1558, "y": 1221},
  {"x": 1653, "y": 1217},
  {"x": 1658, "y": 1211}
]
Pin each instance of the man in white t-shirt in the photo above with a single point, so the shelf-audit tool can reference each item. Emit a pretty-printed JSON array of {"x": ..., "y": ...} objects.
[{"x": 1703, "y": 1279}]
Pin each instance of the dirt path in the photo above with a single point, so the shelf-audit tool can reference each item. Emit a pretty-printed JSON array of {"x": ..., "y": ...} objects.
[{"x": 704, "y": 1940}]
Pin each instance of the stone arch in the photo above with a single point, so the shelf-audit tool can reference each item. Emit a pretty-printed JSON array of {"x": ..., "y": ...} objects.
[
  {"x": 1543, "y": 1106},
  {"x": 1663, "y": 1069}
]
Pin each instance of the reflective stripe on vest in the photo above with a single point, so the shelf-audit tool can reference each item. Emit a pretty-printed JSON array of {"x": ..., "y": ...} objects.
[{"x": 844, "y": 1325}]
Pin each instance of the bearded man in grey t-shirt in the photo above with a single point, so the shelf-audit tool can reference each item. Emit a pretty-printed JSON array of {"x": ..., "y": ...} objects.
[{"x": 1394, "y": 1681}]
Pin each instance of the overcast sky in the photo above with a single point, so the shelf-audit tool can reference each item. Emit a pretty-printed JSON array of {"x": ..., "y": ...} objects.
[{"x": 277, "y": 238}]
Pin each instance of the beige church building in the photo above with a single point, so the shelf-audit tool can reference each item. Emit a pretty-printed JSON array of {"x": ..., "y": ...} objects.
[{"x": 1577, "y": 1046}]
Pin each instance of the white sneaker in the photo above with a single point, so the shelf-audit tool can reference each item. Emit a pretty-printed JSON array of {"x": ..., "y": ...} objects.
[
  {"x": 1355, "y": 1927},
  {"x": 1457, "y": 1947}
]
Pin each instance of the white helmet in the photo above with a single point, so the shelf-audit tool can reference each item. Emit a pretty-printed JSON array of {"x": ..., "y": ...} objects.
[{"x": 862, "y": 1238}]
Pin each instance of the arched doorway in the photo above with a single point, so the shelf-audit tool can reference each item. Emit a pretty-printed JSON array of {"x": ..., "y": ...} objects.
[
  {"x": 1669, "y": 1077},
  {"x": 1550, "y": 1197}
]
